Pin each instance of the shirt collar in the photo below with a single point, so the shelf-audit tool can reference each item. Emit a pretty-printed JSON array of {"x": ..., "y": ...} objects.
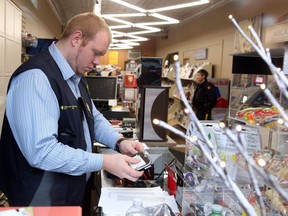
[{"x": 62, "y": 63}]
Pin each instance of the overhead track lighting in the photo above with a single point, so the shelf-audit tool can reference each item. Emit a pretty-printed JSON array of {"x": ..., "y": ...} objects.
[
  {"x": 178, "y": 6},
  {"x": 97, "y": 7},
  {"x": 143, "y": 27}
]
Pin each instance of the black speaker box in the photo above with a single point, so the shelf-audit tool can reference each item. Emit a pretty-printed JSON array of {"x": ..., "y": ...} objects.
[
  {"x": 151, "y": 71},
  {"x": 153, "y": 105}
]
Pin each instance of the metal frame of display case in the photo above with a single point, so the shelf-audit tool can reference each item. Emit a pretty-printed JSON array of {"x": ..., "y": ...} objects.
[
  {"x": 245, "y": 94},
  {"x": 196, "y": 196}
]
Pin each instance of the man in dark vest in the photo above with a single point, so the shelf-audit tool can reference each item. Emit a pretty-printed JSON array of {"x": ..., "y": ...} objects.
[
  {"x": 50, "y": 123},
  {"x": 205, "y": 97}
]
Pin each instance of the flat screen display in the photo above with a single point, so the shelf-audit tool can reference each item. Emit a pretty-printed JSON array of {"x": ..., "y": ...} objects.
[
  {"x": 253, "y": 65},
  {"x": 151, "y": 71},
  {"x": 102, "y": 88}
]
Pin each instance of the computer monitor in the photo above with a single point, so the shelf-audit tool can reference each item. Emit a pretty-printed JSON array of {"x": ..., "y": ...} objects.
[
  {"x": 102, "y": 89},
  {"x": 150, "y": 72}
]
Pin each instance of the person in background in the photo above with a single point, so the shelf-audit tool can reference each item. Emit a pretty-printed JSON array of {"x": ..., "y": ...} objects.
[
  {"x": 113, "y": 73},
  {"x": 50, "y": 123},
  {"x": 205, "y": 97},
  {"x": 93, "y": 72}
]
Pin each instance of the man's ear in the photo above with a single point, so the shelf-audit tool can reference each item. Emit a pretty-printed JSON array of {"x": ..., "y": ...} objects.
[{"x": 77, "y": 38}]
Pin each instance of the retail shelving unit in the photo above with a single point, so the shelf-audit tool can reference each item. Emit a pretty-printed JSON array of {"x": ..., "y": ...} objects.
[{"x": 176, "y": 114}]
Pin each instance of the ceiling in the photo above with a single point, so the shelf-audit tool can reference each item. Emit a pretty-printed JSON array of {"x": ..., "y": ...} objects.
[{"x": 65, "y": 9}]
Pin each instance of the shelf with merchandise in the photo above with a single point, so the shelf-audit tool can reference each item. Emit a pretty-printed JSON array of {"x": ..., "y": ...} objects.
[
  {"x": 188, "y": 85},
  {"x": 203, "y": 187},
  {"x": 249, "y": 105},
  {"x": 176, "y": 111},
  {"x": 202, "y": 184}
]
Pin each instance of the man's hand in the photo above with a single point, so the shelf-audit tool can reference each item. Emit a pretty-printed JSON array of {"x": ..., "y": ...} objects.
[
  {"x": 118, "y": 165},
  {"x": 130, "y": 147}
]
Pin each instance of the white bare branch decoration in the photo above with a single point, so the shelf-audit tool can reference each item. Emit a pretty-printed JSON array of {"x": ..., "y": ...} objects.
[{"x": 236, "y": 136}]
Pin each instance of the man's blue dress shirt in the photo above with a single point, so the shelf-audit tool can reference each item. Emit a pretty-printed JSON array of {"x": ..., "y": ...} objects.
[{"x": 33, "y": 111}]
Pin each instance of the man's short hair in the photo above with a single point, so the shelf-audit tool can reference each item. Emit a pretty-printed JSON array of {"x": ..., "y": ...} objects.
[
  {"x": 89, "y": 24},
  {"x": 203, "y": 73}
]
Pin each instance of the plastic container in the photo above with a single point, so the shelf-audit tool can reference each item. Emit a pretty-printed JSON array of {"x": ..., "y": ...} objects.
[
  {"x": 137, "y": 209},
  {"x": 216, "y": 210}
]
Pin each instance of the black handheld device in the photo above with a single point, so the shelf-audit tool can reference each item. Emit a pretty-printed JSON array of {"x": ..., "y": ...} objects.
[{"x": 144, "y": 163}]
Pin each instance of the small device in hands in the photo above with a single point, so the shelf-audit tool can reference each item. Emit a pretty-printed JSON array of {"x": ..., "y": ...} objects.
[{"x": 144, "y": 163}]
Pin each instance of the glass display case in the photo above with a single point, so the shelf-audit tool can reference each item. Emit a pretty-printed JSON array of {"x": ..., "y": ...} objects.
[
  {"x": 250, "y": 106},
  {"x": 264, "y": 140},
  {"x": 246, "y": 93},
  {"x": 203, "y": 186}
]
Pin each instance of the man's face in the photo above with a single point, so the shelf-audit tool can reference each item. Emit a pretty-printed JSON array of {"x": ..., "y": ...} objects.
[
  {"x": 199, "y": 78},
  {"x": 88, "y": 56}
]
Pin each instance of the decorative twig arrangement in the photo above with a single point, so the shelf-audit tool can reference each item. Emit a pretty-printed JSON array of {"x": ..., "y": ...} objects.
[{"x": 235, "y": 135}]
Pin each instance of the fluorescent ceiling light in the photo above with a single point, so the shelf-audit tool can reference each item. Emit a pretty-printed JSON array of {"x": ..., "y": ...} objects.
[
  {"x": 118, "y": 20},
  {"x": 97, "y": 7},
  {"x": 126, "y": 4},
  {"x": 119, "y": 26},
  {"x": 125, "y": 15},
  {"x": 149, "y": 29},
  {"x": 120, "y": 47},
  {"x": 136, "y": 38},
  {"x": 132, "y": 38},
  {"x": 144, "y": 27},
  {"x": 178, "y": 6},
  {"x": 160, "y": 16},
  {"x": 127, "y": 42}
]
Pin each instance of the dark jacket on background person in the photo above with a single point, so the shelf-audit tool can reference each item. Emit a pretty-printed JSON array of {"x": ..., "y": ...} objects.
[
  {"x": 24, "y": 184},
  {"x": 204, "y": 100}
]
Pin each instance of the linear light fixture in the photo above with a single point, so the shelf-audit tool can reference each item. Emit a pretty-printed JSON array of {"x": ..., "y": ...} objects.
[
  {"x": 144, "y": 27},
  {"x": 178, "y": 6},
  {"x": 125, "y": 15},
  {"x": 126, "y": 4},
  {"x": 97, "y": 7}
]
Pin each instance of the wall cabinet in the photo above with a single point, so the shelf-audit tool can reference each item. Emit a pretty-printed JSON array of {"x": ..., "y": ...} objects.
[
  {"x": 2, "y": 55},
  {"x": 13, "y": 20},
  {"x": 10, "y": 46},
  {"x": 2, "y": 18},
  {"x": 12, "y": 56},
  {"x": 9, "y": 20}
]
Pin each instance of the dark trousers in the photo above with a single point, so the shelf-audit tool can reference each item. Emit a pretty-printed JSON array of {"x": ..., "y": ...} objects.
[
  {"x": 203, "y": 114},
  {"x": 86, "y": 203}
]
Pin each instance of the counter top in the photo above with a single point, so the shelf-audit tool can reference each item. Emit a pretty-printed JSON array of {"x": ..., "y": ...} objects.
[{"x": 168, "y": 143}]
